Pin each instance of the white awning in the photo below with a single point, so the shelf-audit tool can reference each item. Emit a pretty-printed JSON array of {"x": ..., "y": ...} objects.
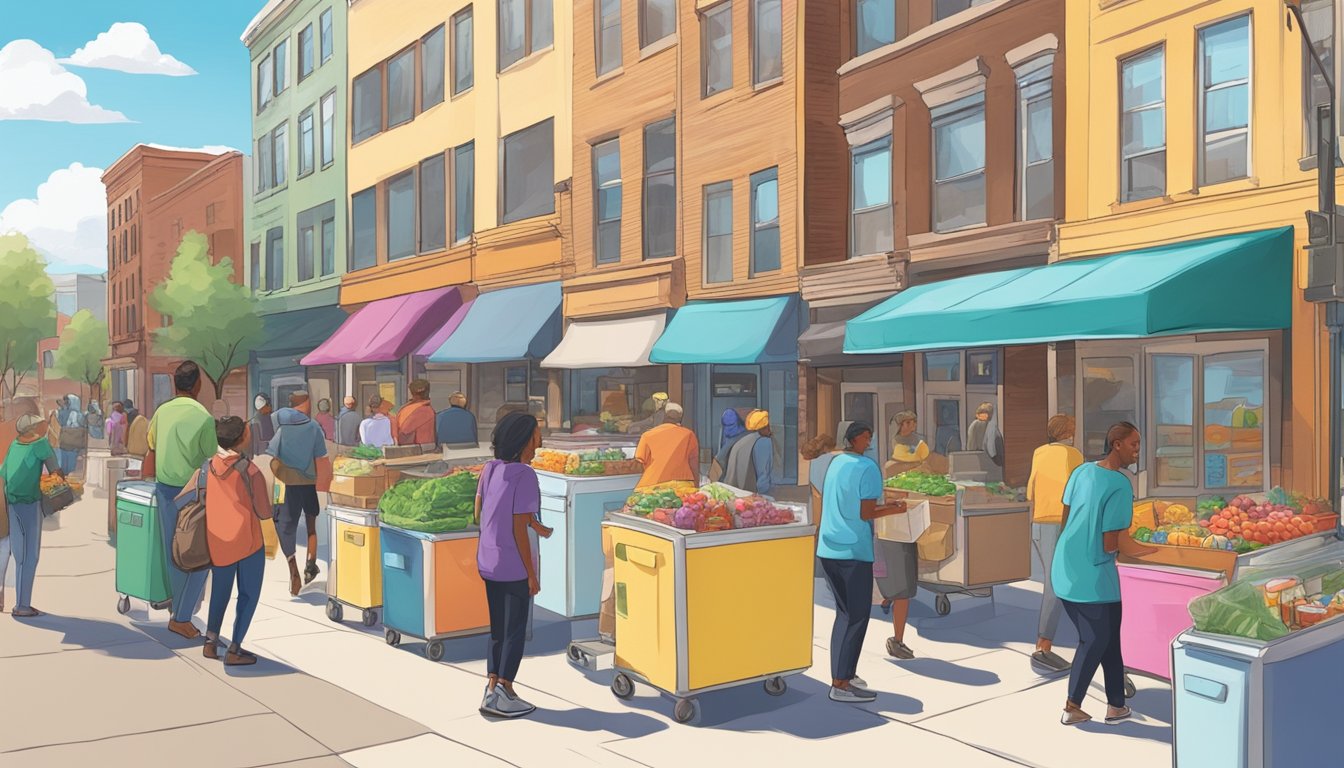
[{"x": 623, "y": 343}]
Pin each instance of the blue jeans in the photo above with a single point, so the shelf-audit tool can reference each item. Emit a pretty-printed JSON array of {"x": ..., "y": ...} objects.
[
  {"x": 851, "y": 583},
  {"x": 187, "y": 587},
  {"x": 25, "y": 537},
  {"x": 248, "y": 573},
  {"x": 67, "y": 460}
]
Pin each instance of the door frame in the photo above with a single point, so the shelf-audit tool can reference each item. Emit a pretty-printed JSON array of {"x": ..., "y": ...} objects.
[{"x": 885, "y": 394}]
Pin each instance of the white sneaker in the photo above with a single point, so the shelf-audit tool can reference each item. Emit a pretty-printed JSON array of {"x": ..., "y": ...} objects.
[
  {"x": 858, "y": 682},
  {"x": 852, "y": 695},
  {"x": 488, "y": 702},
  {"x": 510, "y": 705}
]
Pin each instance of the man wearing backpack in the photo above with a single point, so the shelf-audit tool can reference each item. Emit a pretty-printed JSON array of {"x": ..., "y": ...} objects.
[
  {"x": 237, "y": 500},
  {"x": 181, "y": 438}
]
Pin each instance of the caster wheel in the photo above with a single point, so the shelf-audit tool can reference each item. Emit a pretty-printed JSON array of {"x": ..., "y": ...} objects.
[
  {"x": 776, "y": 686},
  {"x": 943, "y": 605},
  {"x": 434, "y": 650},
  {"x": 335, "y": 611},
  {"x": 162, "y": 605},
  {"x": 369, "y": 617},
  {"x": 124, "y": 605},
  {"x": 623, "y": 686},
  {"x": 393, "y": 637},
  {"x": 575, "y": 655},
  {"x": 1130, "y": 688},
  {"x": 686, "y": 711}
]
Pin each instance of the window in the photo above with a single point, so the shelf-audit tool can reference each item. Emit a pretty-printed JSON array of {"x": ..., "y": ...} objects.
[
  {"x": 871, "y": 218},
  {"x": 1110, "y": 394},
  {"x": 280, "y": 152},
  {"x": 275, "y": 258},
  {"x": 944, "y": 8},
  {"x": 135, "y": 242},
  {"x": 210, "y": 214},
  {"x": 306, "y": 139},
  {"x": 307, "y": 245},
  {"x": 329, "y": 240},
  {"x": 607, "y": 202},
  {"x": 364, "y": 227},
  {"x": 464, "y": 192},
  {"x": 1234, "y": 396},
  {"x": 1036, "y": 154},
  {"x": 608, "y": 41},
  {"x": 525, "y": 27},
  {"x": 529, "y": 172},
  {"x": 254, "y": 267},
  {"x": 48, "y": 359},
  {"x": 464, "y": 68},
  {"x": 368, "y": 117},
  {"x": 767, "y": 41},
  {"x": 660, "y": 189},
  {"x": 401, "y": 215},
  {"x": 959, "y": 164},
  {"x": 1143, "y": 127},
  {"x": 281, "y": 57},
  {"x": 719, "y": 232},
  {"x": 401, "y": 88},
  {"x": 1319, "y": 16},
  {"x": 433, "y": 205},
  {"x": 1174, "y": 419},
  {"x": 1225, "y": 105},
  {"x": 328, "y": 129},
  {"x": 324, "y": 21},
  {"x": 657, "y": 20},
  {"x": 265, "y": 82},
  {"x": 431, "y": 69},
  {"x": 316, "y": 238},
  {"x": 305, "y": 52},
  {"x": 874, "y": 25},
  {"x": 716, "y": 43},
  {"x": 765, "y": 221}
]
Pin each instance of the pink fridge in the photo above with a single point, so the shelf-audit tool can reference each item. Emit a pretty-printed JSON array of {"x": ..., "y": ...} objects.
[{"x": 1156, "y": 602}]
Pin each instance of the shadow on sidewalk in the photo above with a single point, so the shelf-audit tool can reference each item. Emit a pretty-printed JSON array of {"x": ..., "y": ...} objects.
[
  {"x": 106, "y": 637},
  {"x": 937, "y": 669},
  {"x": 628, "y": 725}
]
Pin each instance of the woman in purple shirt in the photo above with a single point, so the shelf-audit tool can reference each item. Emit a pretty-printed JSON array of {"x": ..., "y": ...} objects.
[{"x": 507, "y": 502}]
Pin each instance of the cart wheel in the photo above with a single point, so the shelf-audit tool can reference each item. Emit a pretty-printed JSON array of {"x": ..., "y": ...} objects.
[
  {"x": 124, "y": 605},
  {"x": 686, "y": 711},
  {"x": 162, "y": 605},
  {"x": 369, "y": 617},
  {"x": 776, "y": 686},
  {"x": 334, "y": 611},
  {"x": 1130, "y": 688},
  {"x": 942, "y": 604},
  {"x": 393, "y": 637},
  {"x": 575, "y": 655},
  {"x": 434, "y": 650},
  {"x": 623, "y": 686}
]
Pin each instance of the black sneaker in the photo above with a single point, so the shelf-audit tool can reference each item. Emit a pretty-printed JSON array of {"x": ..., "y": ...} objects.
[
  {"x": 899, "y": 650},
  {"x": 1049, "y": 662}
]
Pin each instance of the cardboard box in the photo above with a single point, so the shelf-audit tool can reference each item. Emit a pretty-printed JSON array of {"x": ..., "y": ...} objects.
[
  {"x": 370, "y": 485},
  {"x": 355, "y": 502},
  {"x": 906, "y": 527}
]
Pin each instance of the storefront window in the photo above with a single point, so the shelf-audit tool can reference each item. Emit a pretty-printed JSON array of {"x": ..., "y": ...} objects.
[
  {"x": 942, "y": 366},
  {"x": 1174, "y": 425},
  {"x": 1234, "y": 419},
  {"x": 1110, "y": 394},
  {"x": 614, "y": 400}
]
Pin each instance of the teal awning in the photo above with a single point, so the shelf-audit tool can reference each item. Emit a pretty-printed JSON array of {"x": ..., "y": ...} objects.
[
  {"x": 746, "y": 331},
  {"x": 298, "y": 332},
  {"x": 519, "y": 323},
  {"x": 1232, "y": 283}
]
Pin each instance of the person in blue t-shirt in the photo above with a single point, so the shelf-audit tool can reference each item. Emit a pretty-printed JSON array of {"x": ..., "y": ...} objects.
[
  {"x": 849, "y": 503},
  {"x": 1098, "y": 506}
]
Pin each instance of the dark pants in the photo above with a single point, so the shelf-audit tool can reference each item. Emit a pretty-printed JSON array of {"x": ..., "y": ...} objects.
[
  {"x": 187, "y": 587},
  {"x": 1098, "y": 646},
  {"x": 247, "y": 573},
  {"x": 300, "y": 500},
  {"x": 509, "y": 603},
  {"x": 851, "y": 583}
]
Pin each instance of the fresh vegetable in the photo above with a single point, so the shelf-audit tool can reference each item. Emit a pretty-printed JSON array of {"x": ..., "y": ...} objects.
[
  {"x": 435, "y": 505},
  {"x": 1238, "y": 610},
  {"x": 1177, "y": 514},
  {"x": 365, "y": 451},
  {"x": 1006, "y": 491},
  {"x": 1210, "y": 505},
  {"x": 924, "y": 483},
  {"x": 756, "y": 511},
  {"x": 606, "y": 454},
  {"x": 1143, "y": 533},
  {"x": 348, "y": 466}
]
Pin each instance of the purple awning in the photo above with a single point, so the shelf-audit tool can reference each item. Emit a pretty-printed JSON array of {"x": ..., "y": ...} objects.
[
  {"x": 389, "y": 329},
  {"x": 437, "y": 338}
]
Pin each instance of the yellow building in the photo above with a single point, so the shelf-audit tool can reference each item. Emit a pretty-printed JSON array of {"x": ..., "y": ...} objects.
[
  {"x": 460, "y": 153},
  {"x": 1187, "y": 121}
]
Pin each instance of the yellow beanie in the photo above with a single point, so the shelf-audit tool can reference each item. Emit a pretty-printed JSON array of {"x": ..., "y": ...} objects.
[{"x": 757, "y": 420}]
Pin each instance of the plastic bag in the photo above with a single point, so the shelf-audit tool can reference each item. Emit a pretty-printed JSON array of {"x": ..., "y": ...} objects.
[{"x": 1238, "y": 610}]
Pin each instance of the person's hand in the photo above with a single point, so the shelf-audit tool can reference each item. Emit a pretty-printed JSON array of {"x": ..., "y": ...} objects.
[
  {"x": 542, "y": 530},
  {"x": 533, "y": 586}
]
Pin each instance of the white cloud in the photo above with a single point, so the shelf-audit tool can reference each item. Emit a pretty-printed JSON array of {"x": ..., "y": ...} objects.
[
  {"x": 127, "y": 47},
  {"x": 209, "y": 149},
  {"x": 33, "y": 86},
  {"x": 66, "y": 221}
]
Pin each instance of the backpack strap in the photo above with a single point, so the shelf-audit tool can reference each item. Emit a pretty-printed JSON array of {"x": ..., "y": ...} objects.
[{"x": 247, "y": 484}]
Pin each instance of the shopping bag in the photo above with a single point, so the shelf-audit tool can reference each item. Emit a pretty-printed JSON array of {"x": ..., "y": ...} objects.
[
  {"x": 279, "y": 493},
  {"x": 270, "y": 537}
]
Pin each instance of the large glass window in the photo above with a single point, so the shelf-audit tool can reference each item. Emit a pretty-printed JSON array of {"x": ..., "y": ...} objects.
[
  {"x": 431, "y": 69},
  {"x": 874, "y": 25},
  {"x": 280, "y": 151},
  {"x": 329, "y": 241},
  {"x": 1319, "y": 16},
  {"x": 464, "y": 192},
  {"x": 608, "y": 36},
  {"x": 254, "y": 268},
  {"x": 719, "y": 232},
  {"x": 364, "y": 229},
  {"x": 767, "y": 41},
  {"x": 1036, "y": 158},
  {"x": 529, "y": 172},
  {"x": 328, "y": 41},
  {"x": 368, "y": 117},
  {"x": 765, "y": 221},
  {"x": 959, "y": 164},
  {"x": 1110, "y": 395},
  {"x": 871, "y": 218},
  {"x": 716, "y": 43},
  {"x": 464, "y": 68},
  {"x": 305, "y": 52},
  {"x": 525, "y": 27},
  {"x": 660, "y": 189},
  {"x": 1174, "y": 420},
  {"x": 307, "y": 250},
  {"x": 265, "y": 166},
  {"x": 306, "y": 142},
  {"x": 613, "y": 400},
  {"x": 401, "y": 88},
  {"x": 607, "y": 200},
  {"x": 1225, "y": 107},
  {"x": 433, "y": 205},
  {"x": 657, "y": 20},
  {"x": 328, "y": 129},
  {"x": 281, "y": 56},
  {"x": 275, "y": 258},
  {"x": 1234, "y": 398},
  {"x": 401, "y": 215},
  {"x": 265, "y": 82},
  {"x": 1143, "y": 126}
]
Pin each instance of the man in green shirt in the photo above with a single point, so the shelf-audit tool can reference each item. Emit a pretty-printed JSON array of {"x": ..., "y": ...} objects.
[
  {"x": 181, "y": 439},
  {"x": 22, "y": 474}
]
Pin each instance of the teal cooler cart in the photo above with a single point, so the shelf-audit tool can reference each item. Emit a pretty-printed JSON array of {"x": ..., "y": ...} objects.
[
  {"x": 142, "y": 564},
  {"x": 571, "y": 559}
]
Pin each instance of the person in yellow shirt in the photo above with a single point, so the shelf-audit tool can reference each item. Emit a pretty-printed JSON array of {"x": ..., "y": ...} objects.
[
  {"x": 908, "y": 447},
  {"x": 1051, "y": 466}
]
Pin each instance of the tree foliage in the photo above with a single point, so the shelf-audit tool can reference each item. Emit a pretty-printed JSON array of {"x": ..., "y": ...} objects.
[
  {"x": 210, "y": 319},
  {"x": 27, "y": 309},
  {"x": 83, "y": 348}
]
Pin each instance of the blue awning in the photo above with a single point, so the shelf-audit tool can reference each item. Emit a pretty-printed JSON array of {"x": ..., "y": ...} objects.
[
  {"x": 1237, "y": 282},
  {"x": 299, "y": 332},
  {"x": 746, "y": 331},
  {"x": 508, "y": 324}
]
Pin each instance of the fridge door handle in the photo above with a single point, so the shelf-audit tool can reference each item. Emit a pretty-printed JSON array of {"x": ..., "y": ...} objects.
[
  {"x": 641, "y": 557},
  {"x": 1205, "y": 688},
  {"x": 354, "y": 537},
  {"x": 394, "y": 560}
]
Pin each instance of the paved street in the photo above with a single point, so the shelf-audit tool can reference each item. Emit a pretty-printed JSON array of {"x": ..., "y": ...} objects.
[{"x": 84, "y": 684}]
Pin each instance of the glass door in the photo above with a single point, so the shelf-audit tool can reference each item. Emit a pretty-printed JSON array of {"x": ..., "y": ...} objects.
[{"x": 876, "y": 405}]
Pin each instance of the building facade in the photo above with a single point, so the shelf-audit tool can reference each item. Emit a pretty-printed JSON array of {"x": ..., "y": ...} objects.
[
  {"x": 296, "y": 226},
  {"x": 73, "y": 293}
]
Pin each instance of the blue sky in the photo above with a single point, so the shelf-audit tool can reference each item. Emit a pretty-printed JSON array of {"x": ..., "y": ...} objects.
[{"x": 209, "y": 108}]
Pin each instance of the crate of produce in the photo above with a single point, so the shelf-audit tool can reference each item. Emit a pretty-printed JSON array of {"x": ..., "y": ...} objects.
[
  {"x": 357, "y": 477},
  {"x": 604, "y": 462},
  {"x": 56, "y": 494}
]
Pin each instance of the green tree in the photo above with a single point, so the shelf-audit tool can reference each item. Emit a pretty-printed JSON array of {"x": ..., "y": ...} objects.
[
  {"x": 209, "y": 318},
  {"x": 27, "y": 310},
  {"x": 83, "y": 348}
]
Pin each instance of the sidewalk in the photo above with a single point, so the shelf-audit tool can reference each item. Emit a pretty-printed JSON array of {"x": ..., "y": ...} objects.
[{"x": 970, "y": 699}]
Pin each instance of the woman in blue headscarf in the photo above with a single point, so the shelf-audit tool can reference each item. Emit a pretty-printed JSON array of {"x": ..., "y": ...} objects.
[{"x": 733, "y": 430}]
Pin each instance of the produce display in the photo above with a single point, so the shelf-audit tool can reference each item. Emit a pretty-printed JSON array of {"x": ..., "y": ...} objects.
[
  {"x": 605, "y": 462},
  {"x": 1267, "y": 609},
  {"x": 1240, "y": 525},
  {"x": 713, "y": 507},
  {"x": 365, "y": 451},
  {"x": 1006, "y": 491},
  {"x": 349, "y": 466},
  {"x": 924, "y": 483},
  {"x": 51, "y": 485},
  {"x": 433, "y": 505}
]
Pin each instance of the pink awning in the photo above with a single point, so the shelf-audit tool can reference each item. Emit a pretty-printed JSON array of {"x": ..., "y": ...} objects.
[
  {"x": 437, "y": 338},
  {"x": 389, "y": 329}
]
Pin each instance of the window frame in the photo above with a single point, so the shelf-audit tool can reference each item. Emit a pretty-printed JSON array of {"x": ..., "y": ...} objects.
[
  {"x": 386, "y": 190},
  {"x": 754, "y": 35},
  {"x": 882, "y": 144},
  {"x": 598, "y": 186},
  {"x": 975, "y": 102},
  {"x": 645, "y": 43},
  {"x": 310, "y": 144},
  {"x": 707, "y": 50},
  {"x": 756, "y": 181},
  {"x": 645, "y": 176},
  {"x": 265, "y": 83},
  {"x": 464, "y": 15},
  {"x": 1127, "y": 195},
  {"x": 282, "y": 65},
  {"x": 376, "y": 71},
  {"x": 352, "y": 258},
  {"x": 280, "y": 166},
  {"x": 1042, "y": 77},
  {"x": 469, "y": 148},
  {"x": 422, "y": 99},
  {"x": 708, "y": 192},
  {"x": 324, "y": 270},
  {"x": 420, "y": 246},
  {"x": 1203, "y": 138},
  {"x": 327, "y": 147},
  {"x": 854, "y": 9},
  {"x": 412, "y": 50},
  {"x": 275, "y": 275},
  {"x": 599, "y": 50},
  {"x": 313, "y": 248},
  {"x": 326, "y": 26},
  {"x": 505, "y": 217},
  {"x": 312, "y": 60},
  {"x": 528, "y": 49}
]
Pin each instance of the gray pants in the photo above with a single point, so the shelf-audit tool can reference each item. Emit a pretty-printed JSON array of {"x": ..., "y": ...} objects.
[
  {"x": 25, "y": 537},
  {"x": 1044, "y": 537}
]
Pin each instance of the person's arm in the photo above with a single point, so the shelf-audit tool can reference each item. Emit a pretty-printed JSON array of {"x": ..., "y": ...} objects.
[
  {"x": 870, "y": 494},
  {"x": 148, "y": 465},
  {"x": 763, "y": 456},
  {"x": 323, "y": 466},
  {"x": 1117, "y": 516},
  {"x": 262, "y": 492},
  {"x": 49, "y": 461},
  {"x": 642, "y": 453},
  {"x": 527, "y": 504},
  {"x": 520, "y": 527}
]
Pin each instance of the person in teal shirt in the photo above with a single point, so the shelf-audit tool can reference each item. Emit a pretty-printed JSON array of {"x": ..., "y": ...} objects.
[
  {"x": 22, "y": 473},
  {"x": 1098, "y": 506}
]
